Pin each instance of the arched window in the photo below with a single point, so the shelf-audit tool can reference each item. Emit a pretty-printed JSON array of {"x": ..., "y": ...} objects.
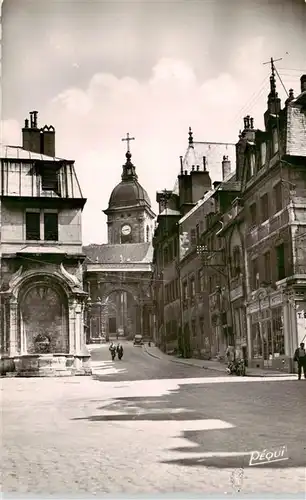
[{"x": 147, "y": 233}]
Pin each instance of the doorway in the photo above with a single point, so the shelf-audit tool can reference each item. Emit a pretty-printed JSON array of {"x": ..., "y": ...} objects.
[{"x": 112, "y": 325}]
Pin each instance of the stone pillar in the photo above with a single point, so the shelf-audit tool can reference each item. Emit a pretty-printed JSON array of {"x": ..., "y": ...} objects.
[
  {"x": 72, "y": 326},
  {"x": 78, "y": 327},
  {"x": 13, "y": 327}
]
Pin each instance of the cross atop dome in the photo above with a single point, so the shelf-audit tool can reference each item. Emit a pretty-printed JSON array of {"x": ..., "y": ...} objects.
[{"x": 128, "y": 154}]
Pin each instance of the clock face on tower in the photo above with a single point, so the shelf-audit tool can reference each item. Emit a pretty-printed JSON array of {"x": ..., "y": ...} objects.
[{"x": 126, "y": 230}]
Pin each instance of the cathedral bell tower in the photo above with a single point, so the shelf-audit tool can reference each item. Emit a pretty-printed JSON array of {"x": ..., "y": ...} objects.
[{"x": 129, "y": 213}]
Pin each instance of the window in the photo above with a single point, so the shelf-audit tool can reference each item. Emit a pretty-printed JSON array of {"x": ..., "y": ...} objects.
[
  {"x": 147, "y": 234},
  {"x": 193, "y": 328},
  {"x": 275, "y": 140},
  {"x": 49, "y": 179},
  {"x": 192, "y": 287},
  {"x": 236, "y": 262},
  {"x": 278, "y": 199},
  {"x": 264, "y": 204},
  {"x": 201, "y": 281},
  {"x": 202, "y": 325},
  {"x": 254, "y": 274},
  {"x": 263, "y": 153},
  {"x": 267, "y": 267},
  {"x": 256, "y": 341},
  {"x": 280, "y": 257},
  {"x": 50, "y": 226},
  {"x": 253, "y": 214},
  {"x": 185, "y": 290},
  {"x": 193, "y": 237},
  {"x": 33, "y": 226},
  {"x": 166, "y": 255},
  {"x": 278, "y": 332},
  {"x": 252, "y": 164},
  {"x": 211, "y": 284},
  {"x": 197, "y": 234}
]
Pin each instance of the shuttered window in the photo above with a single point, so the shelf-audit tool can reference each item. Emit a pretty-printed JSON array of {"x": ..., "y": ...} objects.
[
  {"x": 51, "y": 226},
  {"x": 49, "y": 180},
  {"x": 32, "y": 226}
]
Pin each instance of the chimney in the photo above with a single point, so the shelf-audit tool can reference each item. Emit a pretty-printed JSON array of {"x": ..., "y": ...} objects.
[
  {"x": 31, "y": 135},
  {"x": 303, "y": 83},
  {"x": 181, "y": 163},
  {"x": 248, "y": 131},
  {"x": 200, "y": 183},
  {"x": 48, "y": 141},
  {"x": 226, "y": 167}
]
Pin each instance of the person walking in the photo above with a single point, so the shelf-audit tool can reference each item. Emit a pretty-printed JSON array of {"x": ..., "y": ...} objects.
[{"x": 300, "y": 358}]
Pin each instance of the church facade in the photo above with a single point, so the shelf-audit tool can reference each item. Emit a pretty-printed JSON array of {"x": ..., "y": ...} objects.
[
  {"x": 42, "y": 299},
  {"x": 117, "y": 275}
]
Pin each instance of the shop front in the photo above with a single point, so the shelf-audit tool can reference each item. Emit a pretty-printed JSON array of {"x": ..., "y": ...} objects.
[{"x": 269, "y": 339}]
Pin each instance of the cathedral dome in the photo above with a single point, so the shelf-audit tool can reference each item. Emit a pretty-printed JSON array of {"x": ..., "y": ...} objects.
[{"x": 128, "y": 193}]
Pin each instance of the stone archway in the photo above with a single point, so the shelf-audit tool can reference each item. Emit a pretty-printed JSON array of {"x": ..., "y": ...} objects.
[
  {"x": 43, "y": 318},
  {"x": 120, "y": 314}
]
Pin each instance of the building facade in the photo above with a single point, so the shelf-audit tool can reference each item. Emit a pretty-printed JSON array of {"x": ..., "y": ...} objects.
[
  {"x": 241, "y": 267},
  {"x": 118, "y": 274},
  {"x": 271, "y": 165},
  {"x": 41, "y": 282},
  {"x": 180, "y": 290}
]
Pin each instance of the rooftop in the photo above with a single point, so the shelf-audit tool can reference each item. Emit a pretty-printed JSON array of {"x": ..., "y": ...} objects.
[
  {"x": 213, "y": 153},
  {"x": 119, "y": 253},
  {"x": 18, "y": 153}
]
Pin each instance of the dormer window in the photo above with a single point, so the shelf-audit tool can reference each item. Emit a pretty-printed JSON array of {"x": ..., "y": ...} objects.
[
  {"x": 275, "y": 140},
  {"x": 49, "y": 180},
  {"x": 263, "y": 153}
]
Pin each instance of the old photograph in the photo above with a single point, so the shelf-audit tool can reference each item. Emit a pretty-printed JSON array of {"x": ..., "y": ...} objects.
[{"x": 153, "y": 248}]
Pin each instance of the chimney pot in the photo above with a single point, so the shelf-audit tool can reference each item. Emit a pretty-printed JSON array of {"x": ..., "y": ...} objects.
[
  {"x": 181, "y": 162},
  {"x": 204, "y": 163},
  {"x": 246, "y": 122},
  {"x": 192, "y": 167},
  {"x": 303, "y": 83},
  {"x": 198, "y": 168},
  {"x": 186, "y": 172},
  {"x": 26, "y": 123}
]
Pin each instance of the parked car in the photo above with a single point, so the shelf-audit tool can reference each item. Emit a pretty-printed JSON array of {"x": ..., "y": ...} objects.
[{"x": 138, "y": 340}]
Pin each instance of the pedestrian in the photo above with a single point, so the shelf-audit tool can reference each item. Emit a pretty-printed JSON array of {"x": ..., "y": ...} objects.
[
  {"x": 300, "y": 358},
  {"x": 230, "y": 353}
]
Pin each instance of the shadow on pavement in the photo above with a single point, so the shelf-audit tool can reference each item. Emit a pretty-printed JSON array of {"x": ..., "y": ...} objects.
[{"x": 251, "y": 432}]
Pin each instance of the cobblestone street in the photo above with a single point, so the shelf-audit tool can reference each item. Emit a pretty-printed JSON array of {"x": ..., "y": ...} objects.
[{"x": 147, "y": 425}]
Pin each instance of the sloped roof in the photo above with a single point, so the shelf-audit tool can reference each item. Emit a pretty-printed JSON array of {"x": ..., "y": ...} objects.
[
  {"x": 230, "y": 184},
  {"x": 214, "y": 155},
  {"x": 18, "y": 153},
  {"x": 120, "y": 253}
]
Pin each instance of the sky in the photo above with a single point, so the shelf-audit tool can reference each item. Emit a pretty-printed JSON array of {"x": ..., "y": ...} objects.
[{"x": 98, "y": 69}]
